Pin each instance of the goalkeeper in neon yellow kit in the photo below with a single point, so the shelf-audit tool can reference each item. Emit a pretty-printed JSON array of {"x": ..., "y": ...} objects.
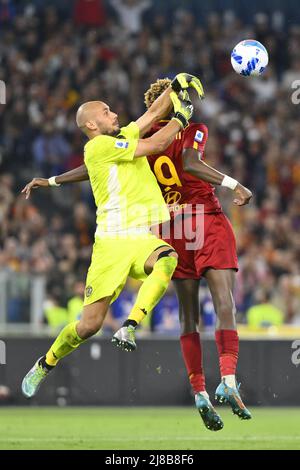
[{"x": 128, "y": 202}]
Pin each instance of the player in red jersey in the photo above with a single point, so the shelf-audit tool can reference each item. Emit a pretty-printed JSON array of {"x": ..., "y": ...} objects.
[{"x": 186, "y": 182}]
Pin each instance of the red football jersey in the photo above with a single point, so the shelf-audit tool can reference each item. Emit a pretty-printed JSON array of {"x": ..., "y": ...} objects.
[{"x": 180, "y": 189}]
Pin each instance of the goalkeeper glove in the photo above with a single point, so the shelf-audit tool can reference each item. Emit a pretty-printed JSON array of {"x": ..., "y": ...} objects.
[
  {"x": 183, "y": 108},
  {"x": 182, "y": 81}
]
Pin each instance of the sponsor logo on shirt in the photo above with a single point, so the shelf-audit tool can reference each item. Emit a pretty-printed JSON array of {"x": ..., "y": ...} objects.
[
  {"x": 120, "y": 144},
  {"x": 199, "y": 136},
  {"x": 172, "y": 197}
]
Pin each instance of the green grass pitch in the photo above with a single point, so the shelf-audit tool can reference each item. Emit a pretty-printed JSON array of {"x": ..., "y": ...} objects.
[{"x": 145, "y": 428}]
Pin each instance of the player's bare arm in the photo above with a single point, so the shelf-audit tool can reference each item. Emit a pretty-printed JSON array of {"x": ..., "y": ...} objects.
[
  {"x": 193, "y": 164},
  {"x": 73, "y": 176},
  {"x": 162, "y": 106},
  {"x": 158, "y": 142}
]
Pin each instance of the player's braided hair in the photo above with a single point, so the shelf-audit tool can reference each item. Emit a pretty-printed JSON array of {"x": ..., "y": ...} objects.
[{"x": 155, "y": 90}]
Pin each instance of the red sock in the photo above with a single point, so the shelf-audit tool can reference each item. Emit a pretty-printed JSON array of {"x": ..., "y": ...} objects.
[
  {"x": 228, "y": 349},
  {"x": 192, "y": 355}
]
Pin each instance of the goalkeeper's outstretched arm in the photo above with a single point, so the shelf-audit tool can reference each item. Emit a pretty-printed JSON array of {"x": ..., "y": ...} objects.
[
  {"x": 183, "y": 111},
  {"x": 161, "y": 108}
]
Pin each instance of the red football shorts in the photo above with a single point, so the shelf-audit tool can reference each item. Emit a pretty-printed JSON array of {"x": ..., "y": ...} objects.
[{"x": 215, "y": 247}]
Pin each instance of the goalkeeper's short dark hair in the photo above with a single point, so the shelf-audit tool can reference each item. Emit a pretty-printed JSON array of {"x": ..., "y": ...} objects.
[{"x": 155, "y": 90}]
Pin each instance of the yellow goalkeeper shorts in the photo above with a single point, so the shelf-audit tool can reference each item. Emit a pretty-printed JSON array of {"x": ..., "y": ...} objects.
[{"x": 113, "y": 260}]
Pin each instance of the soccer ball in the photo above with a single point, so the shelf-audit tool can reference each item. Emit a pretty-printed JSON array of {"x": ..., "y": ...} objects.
[{"x": 249, "y": 57}]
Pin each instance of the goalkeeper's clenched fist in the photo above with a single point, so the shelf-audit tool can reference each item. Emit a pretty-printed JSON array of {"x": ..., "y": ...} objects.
[
  {"x": 182, "y": 81},
  {"x": 183, "y": 108}
]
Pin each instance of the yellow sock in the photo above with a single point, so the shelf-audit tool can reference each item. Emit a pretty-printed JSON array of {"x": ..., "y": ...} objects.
[
  {"x": 137, "y": 314},
  {"x": 153, "y": 288},
  {"x": 66, "y": 342}
]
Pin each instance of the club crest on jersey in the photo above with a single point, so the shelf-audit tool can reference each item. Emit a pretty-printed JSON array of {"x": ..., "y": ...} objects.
[
  {"x": 199, "y": 136},
  {"x": 120, "y": 144},
  {"x": 88, "y": 291}
]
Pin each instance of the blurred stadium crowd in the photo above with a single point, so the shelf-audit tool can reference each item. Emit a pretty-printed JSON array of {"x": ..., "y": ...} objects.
[{"x": 52, "y": 60}]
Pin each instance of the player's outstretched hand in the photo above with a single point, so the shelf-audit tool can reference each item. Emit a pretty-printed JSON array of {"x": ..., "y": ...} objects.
[
  {"x": 182, "y": 81},
  {"x": 183, "y": 108},
  {"x": 35, "y": 183},
  {"x": 243, "y": 195}
]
